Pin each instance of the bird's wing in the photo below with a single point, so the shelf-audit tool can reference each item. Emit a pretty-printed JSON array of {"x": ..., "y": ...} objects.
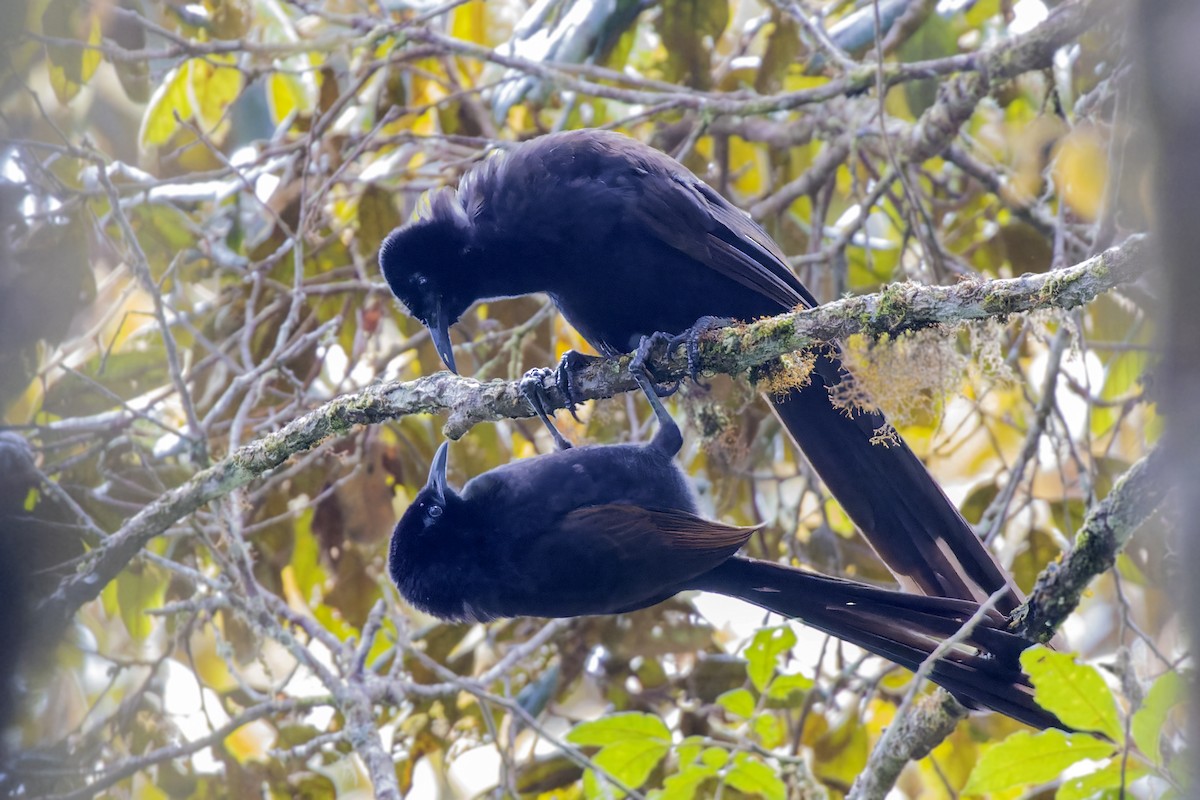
[
  {"x": 638, "y": 555},
  {"x": 674, "y": 206},
  {"x": 669, "y": 529}
]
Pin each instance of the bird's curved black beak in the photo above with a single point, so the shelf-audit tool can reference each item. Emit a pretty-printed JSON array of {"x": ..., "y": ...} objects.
[
  {"x": 439, "y": 331},
  {"x": 437, "y": 473}
]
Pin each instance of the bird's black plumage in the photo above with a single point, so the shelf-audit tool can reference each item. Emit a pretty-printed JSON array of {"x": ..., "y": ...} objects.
[
  {"x": 627, "y": 242},
  {"x": 614, "y": 528}
]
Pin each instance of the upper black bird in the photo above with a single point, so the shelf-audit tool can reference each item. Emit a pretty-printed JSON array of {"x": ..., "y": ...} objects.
[
  {"x": 627, "y": 242},
  {"x": 606, "y": 529}
]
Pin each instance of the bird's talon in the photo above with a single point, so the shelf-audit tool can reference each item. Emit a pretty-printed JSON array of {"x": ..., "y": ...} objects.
[
  {"x": 532, "y": 387},
  {"x": 691, "y": 341}
]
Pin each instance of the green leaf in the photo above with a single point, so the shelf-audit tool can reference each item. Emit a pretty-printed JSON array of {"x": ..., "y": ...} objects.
[
  {"x": 139, "y": 588},
  {"x": 375, "y": 218},
  {"x": 934, "y": 39},
  {"x": 789, "y": 689},
  {"x": 751, "y": 776},
  {"x": 618, "y": 729},
  {"x": 687, "y": 27},
  {"x": 1025, "y": 758},
  {"x": 1147, "y": 724},
  {"x": 1102, "y": 780},
  {"x": 163, "y": 231},
  {"x": 738, "y": 702},
  {"x": 1075, "y": 692},
  {"x": 714, "y": 757},
  {"x": 685, "y": 784},
  {"x": 631, "y": 744},
  {"x": 981, "y": 12},
  {"x": 769, "y": 730},
  {"x": 689, "y": 750},
  {"x": 631, "y": 761},
  {"x": 763, "y": 653}
]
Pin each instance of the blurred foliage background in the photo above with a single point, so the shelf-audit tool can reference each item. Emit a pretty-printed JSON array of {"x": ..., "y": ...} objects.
[{"x": 192, "y": 196}]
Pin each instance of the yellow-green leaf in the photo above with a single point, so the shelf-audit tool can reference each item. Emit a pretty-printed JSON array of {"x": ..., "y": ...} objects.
[
  {"x": 763, "y": 653},
  {"x": 139, "y": 588},
  {"x": 619, "y": 728},
  {"x": 689, "y": 750},
  {"x": 1087, "y": 787},
  {"x": 789, "y": 688},
  {"x": 751, "y": 776},
  {"x": 1075, "y": 692},
  {"x": 685, "y": 784},
  {"x": 631, "y": 761},
  {"x": 1026, "y": 758},
  {"x": 769, "y": 730},
  {"x": 738, "y": 702},
  {"x": 1148, "y": 722}
]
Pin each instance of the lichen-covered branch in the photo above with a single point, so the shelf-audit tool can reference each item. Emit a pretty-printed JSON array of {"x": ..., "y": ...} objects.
[
  {"x": 1104, "y": 534},
  {"x": 732, "y": 350}
]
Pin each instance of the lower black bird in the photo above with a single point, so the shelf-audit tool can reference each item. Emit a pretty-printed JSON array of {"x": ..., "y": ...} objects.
[
  {"x": 606, "y": 529},
  {"x": 627, "y": 243}
]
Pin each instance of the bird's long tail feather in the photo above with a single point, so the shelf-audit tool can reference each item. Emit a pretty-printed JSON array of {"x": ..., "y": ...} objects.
[
  {"x": 984, "y": 671},
  {"x": 890, "y": 496}
]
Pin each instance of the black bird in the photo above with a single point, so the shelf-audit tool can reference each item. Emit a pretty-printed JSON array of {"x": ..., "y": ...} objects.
[
  {"x": 627, "y": 243},
  {"x": 606, "y": 529}
]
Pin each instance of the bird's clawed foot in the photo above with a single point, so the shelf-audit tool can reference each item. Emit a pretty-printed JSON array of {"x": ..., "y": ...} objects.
[
  {"x": 638, "y": 368},
  {"x": 691, "y": 341},
  {"x": 531, "y": 385},
  {"x": 569, "y": 363},
  {"x": 668, "y": 439}
]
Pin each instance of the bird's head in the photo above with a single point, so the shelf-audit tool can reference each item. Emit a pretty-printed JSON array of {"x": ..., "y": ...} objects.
[
  {"x": 425, "y": 264},
  {"x": 428, "y": 549},
  {"x": 432, "y": 510},
  {"x": 436, "y": 498}
]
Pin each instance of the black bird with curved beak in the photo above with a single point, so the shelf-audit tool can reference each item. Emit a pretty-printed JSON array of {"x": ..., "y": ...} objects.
[
  {"x": 627, "y": 243},
  {"x": 606, "y": 529}
]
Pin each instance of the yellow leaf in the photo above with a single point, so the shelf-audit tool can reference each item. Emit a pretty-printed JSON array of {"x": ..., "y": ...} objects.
[
  {"x": 470, "y": 22},
  {"x": 1081, "y": 171},
  {"x": 211, "y": 668},
  {"x": 144, "y": 789},
  {"x": 251, "y": 742},
  {"x": 71, "y": 66},
  {"x": 169, "y": 99},
  {"x": 284, "y": 95},
  {"x": 213, "y": 88},
  {"x": 748, "y": 164}
]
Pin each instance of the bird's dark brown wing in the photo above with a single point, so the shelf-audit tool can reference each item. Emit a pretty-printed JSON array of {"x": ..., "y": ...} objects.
[
  {"x": 675, "y": 532},
  {"x": 610, "y": 558},
  {"x": 732, "y": 243}
]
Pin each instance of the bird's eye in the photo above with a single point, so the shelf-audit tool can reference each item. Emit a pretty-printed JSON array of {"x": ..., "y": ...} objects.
[{"x": 434, "y": 511}]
